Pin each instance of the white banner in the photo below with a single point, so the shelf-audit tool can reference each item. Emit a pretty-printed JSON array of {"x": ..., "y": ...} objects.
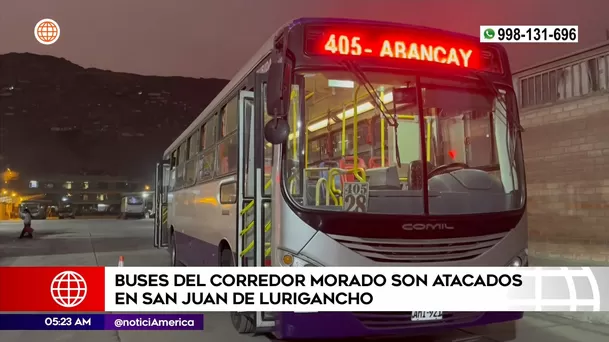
[{"x": 307, "y": 289}]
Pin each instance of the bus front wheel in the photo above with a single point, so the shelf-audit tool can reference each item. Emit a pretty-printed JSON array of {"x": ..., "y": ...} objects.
[{"x": 242, "y": 321}]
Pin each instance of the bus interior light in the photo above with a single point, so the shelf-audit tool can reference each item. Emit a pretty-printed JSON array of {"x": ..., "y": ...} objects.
[
  {"x": 362, "y": 108},
  {"x": 319, "y": 125},
  {"x": 341, "y": 84}
]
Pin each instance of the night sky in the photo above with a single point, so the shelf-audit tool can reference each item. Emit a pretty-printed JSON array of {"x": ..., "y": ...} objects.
[{"x": 213, "y": 38}]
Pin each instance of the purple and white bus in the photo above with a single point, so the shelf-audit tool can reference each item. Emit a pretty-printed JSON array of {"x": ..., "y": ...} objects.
[{"x": 352, "y": 143}]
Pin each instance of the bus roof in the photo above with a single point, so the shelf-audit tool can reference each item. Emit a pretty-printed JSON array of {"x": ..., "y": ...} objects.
[
  {"x": 265, "y": 50},
  {"x": 258, "y": 57}
]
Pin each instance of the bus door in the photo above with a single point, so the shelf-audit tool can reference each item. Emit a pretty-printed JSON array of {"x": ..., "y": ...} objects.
[
  {"x": 161, "y": 187},
  {"x": 254, "y": 202}
]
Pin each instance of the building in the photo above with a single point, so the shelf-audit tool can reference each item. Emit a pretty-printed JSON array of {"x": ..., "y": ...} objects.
[
  {"x": 565, "y": 112},
  {"x": 86, "y": 194}
]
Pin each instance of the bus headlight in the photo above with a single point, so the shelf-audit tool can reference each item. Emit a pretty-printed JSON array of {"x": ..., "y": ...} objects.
[{"x": 522, "y": 260}]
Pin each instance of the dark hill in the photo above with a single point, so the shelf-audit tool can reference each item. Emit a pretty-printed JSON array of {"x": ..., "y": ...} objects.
[{"x": 57, "y": 117}]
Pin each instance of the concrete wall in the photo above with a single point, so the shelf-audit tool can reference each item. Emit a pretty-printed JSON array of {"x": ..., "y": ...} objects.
[{"x": 566, "y": 149}]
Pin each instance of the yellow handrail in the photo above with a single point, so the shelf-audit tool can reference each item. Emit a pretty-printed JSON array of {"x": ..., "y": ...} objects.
[
  {"x": 293, "y": 96},
  {"x": 355, "y": 143},
  {"x": 318, "y": 192},
  {"x": 250, "y": 225},
  {"x": 358, "y": 172},
  {"x": 428, "y": 140},
  {"x": 343, "y": 133}
]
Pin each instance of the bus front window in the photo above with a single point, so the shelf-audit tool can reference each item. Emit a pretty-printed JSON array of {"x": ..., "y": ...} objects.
[{"x": 340, "y": 136}]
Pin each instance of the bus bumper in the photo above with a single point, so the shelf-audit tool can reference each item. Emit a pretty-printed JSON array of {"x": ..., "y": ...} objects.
[{"x": 348, "y": 324}]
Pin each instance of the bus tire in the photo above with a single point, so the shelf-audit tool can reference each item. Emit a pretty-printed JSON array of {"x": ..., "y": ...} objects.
[
  {"x": 174, "y": 250},
  {"x": 242, "y": 322}
]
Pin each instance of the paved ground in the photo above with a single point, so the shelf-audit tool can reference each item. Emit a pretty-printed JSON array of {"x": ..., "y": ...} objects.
[{"x": 101, "y": 242}]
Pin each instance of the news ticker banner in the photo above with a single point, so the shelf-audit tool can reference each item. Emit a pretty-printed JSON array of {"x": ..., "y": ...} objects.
[
  {"x": 101, "y": 322},
  {"x": 303, "y": 289}
]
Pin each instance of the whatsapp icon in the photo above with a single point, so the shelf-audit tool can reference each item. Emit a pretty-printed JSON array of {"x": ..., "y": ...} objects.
[{"x": 489, "y": 33}]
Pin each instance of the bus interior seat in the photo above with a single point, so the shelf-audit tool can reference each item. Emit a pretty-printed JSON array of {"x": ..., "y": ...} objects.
[
  {"x": 375, "y": 162},
  {"x": 415, "y": 176},
  {"x": 347, "y": 163}
]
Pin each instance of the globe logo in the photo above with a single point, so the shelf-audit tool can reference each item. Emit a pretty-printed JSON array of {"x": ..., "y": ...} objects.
[
  {"x": 47, "y": 31},
  {"x": 68, "y": 289}
]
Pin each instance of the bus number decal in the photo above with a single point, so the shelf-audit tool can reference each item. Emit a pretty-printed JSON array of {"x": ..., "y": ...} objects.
[{"x": 355, "y": 197}]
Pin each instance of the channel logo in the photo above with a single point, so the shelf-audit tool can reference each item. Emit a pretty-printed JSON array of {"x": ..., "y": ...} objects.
[
  {"x": 68, "y": 289},
  {"x": 47, "y": 31}
]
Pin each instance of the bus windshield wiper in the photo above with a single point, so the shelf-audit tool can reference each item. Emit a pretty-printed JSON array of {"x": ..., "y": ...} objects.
[
  {"x": 363, "y": 80},
  {"x": 377, "y": 101},
  {"x": 509, "y": 120}
]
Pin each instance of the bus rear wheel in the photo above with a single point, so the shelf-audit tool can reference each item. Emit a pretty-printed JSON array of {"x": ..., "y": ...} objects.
[
  {"x": 174, "y": 250},
  {"x": 242, "y": 322}
]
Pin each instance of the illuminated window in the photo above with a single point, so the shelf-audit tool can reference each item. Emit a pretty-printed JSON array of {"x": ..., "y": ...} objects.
[
  {"x": 229, "y": 118},
  {"x": 208, "y": 133},
  {"x": 67, "y": 185},
  {"x": 33, "y": 184},
  {"x": 85, "y": 185},
  {"x": 101, "y": 197}
]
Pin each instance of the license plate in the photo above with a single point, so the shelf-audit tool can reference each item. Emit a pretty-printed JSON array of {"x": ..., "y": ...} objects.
[{"x": 426, "y": 315}]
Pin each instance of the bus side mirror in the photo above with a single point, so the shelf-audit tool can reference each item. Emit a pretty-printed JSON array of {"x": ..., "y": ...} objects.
[{"x": 277, "y": 130}]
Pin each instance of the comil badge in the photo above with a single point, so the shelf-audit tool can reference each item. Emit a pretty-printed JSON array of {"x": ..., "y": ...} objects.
[
  {"x": 68, "y": 289},
  {"x": 47, "y": 31}
]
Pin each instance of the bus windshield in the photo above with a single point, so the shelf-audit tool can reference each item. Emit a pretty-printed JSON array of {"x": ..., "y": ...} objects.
[
  {"x": 135, "y": 200},
  {"x": 465, "y": 132}
]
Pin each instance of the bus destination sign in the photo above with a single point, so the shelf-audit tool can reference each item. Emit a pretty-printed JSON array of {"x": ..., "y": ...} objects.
[{"x": 399, "y": 44}]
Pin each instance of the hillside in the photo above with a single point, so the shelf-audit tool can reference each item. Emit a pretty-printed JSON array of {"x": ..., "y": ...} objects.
[{"x": 57, "y": 117}]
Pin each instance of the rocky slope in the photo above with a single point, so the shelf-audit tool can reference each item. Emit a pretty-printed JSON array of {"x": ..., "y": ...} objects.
[{"x": 57, "y": 117}]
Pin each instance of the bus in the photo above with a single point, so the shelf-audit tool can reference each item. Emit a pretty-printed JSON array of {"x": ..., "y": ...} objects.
[
  {"x": 352, "y": 143},
  {"x": 38, "y": 208},
  {"x": 132, "y": 206}
]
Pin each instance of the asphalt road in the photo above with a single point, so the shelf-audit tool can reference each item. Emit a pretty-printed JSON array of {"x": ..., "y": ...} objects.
[{"x": 101, "y": 242}]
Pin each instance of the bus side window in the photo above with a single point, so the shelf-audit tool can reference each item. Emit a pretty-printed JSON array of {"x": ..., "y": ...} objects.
[
  {"x": 227, "y": 146},
  {"x": 208, "y": 133},
  {"x": 182, "y": 156},
  {"x": 173, "y": 164},
  {"x": 207, "y": 160},
  {"x": 191, "y": 164}
]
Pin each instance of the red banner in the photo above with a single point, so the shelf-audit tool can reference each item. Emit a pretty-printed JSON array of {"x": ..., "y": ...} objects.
[{"x": 50, "y": 289}]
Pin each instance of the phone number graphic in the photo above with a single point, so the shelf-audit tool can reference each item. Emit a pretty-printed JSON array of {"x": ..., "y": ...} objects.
[
  {"x": 529, "y": 34},
  {"x": 101, "y": 322}
]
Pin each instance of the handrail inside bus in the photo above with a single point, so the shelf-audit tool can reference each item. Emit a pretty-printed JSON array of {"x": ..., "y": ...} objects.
[{"x": 320, "y": 182}]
